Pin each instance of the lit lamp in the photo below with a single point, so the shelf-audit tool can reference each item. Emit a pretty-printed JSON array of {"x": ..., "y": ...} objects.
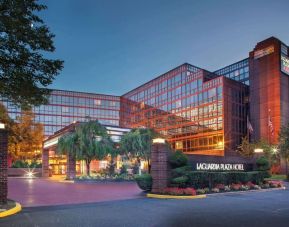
[
  {"x": 2, "y": 126},
  {"x": 258, "y": 150},
  {"x": 159, "y": 140},
  {"x": 275, "y": 150}
]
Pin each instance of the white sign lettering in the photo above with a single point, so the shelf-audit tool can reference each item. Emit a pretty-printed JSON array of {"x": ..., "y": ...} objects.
[
  {"x": 222, "y": 167},
  {"x": 263, "y": 52}
]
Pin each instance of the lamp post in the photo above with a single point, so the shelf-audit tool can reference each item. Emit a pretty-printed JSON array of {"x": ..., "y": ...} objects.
[{"x": 3, "y": 163}]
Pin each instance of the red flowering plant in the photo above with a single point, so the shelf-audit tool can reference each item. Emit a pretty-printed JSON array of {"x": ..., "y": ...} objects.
[
  {"x": 178, "y": 191},
  {"x": 275, "y": 184},
  {"x": 236, "y": 187},
  {"x": 221, "y": 187},
  {"x": 250, "y": 185}
]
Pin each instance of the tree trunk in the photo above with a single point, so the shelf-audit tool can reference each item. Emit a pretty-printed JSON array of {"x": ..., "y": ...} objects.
[
  {"x": 87, "y": 167},
  {"x": 149, "y": 166}
]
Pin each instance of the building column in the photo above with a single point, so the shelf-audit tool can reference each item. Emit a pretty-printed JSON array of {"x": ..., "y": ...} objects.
[
  {"x": 160, "y": 170},
  {"x": 284, "y": 166},
  {"x": 45, "y": 163},
  {"x": 70, "y": 167},
  {"x": 3, "y": 166}
]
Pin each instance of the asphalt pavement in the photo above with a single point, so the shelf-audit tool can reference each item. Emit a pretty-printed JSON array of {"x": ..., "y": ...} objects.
[{"x": 240, "y": 209}]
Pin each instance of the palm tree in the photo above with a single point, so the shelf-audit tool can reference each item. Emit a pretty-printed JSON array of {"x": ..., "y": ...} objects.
[
  {"x": 94, "y": 142},
  {"x": 137, "y": 143}
]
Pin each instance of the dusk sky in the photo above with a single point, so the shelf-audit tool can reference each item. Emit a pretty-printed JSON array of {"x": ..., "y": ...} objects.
[{"x": 112, "y": 47}]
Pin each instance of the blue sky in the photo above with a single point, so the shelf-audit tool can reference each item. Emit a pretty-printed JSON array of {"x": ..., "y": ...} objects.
[{"x": 113, "y": 46}]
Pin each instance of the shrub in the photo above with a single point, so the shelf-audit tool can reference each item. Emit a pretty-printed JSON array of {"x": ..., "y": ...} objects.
[
  {"x": 227, "y": 188},
  {"x": 263, "y": 164},
  {"x": 178, "y": 159},
  {"x": 235, "y": 187},
  {"x": 180, "y": 182},
  {"x": 207, "y": 190},
  {"x": 265, "y": 186},
  {"x": 257, "y": 187},
  {"x": 144, "y": 181},
  {"x": 23, "y": 164},
  {"x": 215, "y": 190},
  {"x": 244, "y": 188},
  {"x": 181, "y": 171},
  {"x": 201, "y": 191},
  {"x": 199, "y": 179},
  {"x": 250, "y": 185},
  {"x": 221, "y": 187},
  {"x": 123, "y": 169}
]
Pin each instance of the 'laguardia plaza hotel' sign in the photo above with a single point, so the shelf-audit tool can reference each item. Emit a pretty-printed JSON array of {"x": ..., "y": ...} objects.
[{"x": 219, "y": 167}]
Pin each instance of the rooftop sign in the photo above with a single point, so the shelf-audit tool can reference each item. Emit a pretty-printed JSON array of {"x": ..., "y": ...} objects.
[
  {"x": 285, "y": 64},
  {"x": 263, "y": 52}
]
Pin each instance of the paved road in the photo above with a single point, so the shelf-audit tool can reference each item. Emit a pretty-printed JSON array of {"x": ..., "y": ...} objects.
[
  {"x": 43, "y": 192},
  {"x": 249, "y": 210}
]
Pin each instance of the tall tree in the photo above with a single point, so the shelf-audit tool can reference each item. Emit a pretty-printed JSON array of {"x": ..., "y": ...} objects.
[
  {"x": 26, "y": 137},
  {"x": 137, "y": 143},
  {"x": 89, "y": 141},
  {"x": 284, "y": 144},
  {"x": 24, "y": 39},
  {"x": 94, "y": 142}
]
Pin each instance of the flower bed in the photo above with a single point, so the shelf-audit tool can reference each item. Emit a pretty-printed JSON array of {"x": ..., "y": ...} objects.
[
  {"x": 240, "y": 187},
  {"x": 105, "y": 178},
  {"x": 220, "y": 188}
]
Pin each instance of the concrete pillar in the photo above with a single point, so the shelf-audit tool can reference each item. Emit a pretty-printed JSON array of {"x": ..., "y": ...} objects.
[
  {"x": 45, "y": 163},
  {"x": 160, "y": 170},
  {"x": 284, "y": 166},
  {"x": 3, "y": 166},
  {"x": 70, "y": 167}
]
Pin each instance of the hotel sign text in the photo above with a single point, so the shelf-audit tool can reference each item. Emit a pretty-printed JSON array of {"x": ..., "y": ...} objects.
[
  {"x": 263, "y": 52},
  {"x": 285, "y": 64},
  {"x": 220, "y": 167}
]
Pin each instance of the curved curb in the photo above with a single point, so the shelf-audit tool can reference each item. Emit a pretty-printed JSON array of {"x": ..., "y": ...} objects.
[
  {"x": 158, "y": 196},
  {"x": 12, "y": 211}
]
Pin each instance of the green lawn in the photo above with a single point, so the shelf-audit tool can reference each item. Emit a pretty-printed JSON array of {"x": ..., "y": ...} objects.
[{"x": 277, "y": 177}]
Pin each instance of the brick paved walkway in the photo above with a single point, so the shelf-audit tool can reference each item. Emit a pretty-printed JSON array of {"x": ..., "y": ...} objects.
[{"x": 43, "y": 192}]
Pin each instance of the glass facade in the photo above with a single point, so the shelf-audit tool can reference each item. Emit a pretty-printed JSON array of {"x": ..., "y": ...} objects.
[
  {"x": 238, "y": 71},
  {"x": 67, "y": 106},
  {"x": 185, "y": 105}
]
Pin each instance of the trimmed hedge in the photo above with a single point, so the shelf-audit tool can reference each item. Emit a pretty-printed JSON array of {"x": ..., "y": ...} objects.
[
  {"x": 202, "y": 179},
  {"x": 144, "y": 181}
]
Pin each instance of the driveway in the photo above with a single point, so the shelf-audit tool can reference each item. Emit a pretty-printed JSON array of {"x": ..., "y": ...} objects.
[
  {"x": 45, "y": 192},
  {"x": 264, "y": 209}
]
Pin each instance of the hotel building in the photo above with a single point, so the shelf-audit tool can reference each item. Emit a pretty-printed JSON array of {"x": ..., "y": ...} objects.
[{"x": 202, "y": 113}]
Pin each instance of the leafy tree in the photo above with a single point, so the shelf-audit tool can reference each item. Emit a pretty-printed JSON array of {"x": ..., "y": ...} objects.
[
  {"x": 94, "y": 142},
  {"x": 284, "y": 144},
  {"x": 24, "y": 39},
  {"x": 89, "y": 141},
  {"x": 26, "y": 137},
  {"x": 137, "y": 143},
  {"x": 246, "y": 148},
  {"x": 68, "y": 143}
]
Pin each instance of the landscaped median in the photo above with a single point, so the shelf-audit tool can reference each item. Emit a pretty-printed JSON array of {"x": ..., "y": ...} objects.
[
  {"x": 10, "y": 208},
  {"x": 191, "y": 193}
]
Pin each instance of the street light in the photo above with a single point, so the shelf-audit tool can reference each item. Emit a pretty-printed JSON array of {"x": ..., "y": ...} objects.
[
  {"x": 159, "y": 140},
  {"x": 258, "y": 150}
]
